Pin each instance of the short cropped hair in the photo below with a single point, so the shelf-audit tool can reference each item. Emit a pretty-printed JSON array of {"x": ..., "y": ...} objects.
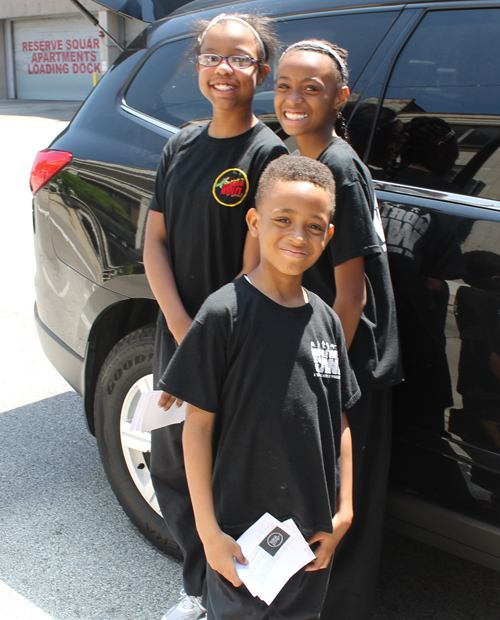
[
  {"x": 296, "y": 168},
  {"x": 483, "y": 270}
]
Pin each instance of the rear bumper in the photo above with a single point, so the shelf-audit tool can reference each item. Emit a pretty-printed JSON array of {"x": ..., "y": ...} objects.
[{"x": 68, "y": 363}]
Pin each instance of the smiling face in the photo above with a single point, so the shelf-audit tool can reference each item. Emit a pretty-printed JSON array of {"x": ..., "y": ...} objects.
[
  {"x": 225, "y": 87},
  {"x": 293, "y": 226},
  {"x": 309, "y": 94}
]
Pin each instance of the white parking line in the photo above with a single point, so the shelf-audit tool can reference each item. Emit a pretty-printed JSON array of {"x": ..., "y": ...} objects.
[{"x": 17, "y": 607}]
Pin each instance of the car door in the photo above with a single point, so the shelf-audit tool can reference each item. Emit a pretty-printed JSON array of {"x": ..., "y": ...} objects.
[{"x": 434, "y": 151}]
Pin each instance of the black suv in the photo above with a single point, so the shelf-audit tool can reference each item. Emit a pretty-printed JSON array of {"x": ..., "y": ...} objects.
[{"x": 411, "y": 62}]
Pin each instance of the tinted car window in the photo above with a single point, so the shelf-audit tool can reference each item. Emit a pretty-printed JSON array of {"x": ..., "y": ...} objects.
[
  {"x": 166, "y": 85},
  {"x": 448, "y": 65},
  {"x": 358, "y": 33},
  {"x": 440, "y": 114}
]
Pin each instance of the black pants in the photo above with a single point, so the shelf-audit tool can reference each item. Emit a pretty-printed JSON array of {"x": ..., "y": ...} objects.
[
  {"x": 300, "y": 599},
  {"x": 355, "y": 565},
  {"x": 169, "y": 480}
]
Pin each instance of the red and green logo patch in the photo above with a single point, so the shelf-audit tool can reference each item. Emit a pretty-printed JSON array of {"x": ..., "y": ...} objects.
[{"x": 231, "y": 187}]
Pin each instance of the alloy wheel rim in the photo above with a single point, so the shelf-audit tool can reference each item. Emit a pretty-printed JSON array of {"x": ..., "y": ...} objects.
[{"x": 136, "y": 446}]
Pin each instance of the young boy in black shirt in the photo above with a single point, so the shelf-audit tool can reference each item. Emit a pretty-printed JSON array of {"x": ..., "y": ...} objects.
[{"x": 265, "y": 371}]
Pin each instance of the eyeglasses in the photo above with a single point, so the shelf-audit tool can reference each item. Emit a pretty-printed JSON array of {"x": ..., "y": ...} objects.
[{"x": 237, "y": 62}]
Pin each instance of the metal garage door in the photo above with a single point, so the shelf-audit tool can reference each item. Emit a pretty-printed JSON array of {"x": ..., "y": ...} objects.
[{"x": 55, "y": 58}]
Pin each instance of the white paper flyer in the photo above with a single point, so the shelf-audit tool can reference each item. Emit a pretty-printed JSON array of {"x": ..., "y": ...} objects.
[
  {"x": 275, "y": 552},
  {"x": 149, "y": 416}
]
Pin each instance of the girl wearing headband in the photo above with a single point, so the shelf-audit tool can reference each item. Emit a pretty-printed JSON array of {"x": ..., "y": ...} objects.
[
  {"x": 353, "y": 277},
  {"x": 197, "y": 239}
]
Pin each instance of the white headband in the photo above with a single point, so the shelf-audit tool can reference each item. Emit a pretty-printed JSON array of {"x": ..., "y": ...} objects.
[
  {"x": 317, "y": 45},
  {"x": 233, "y": 18}
]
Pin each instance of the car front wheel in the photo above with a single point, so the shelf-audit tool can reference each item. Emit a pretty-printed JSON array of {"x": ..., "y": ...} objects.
[{"x": 125, "y": 374}]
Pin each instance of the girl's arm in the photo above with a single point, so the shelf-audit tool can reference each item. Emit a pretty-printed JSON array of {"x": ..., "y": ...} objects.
[
  {"x": 220, "y": 549},
  {"x": 343, "y": 517},
  {"x": 251, "y": 255},
  {"x": 160, "y": 276},
  {"x": 351, "y": 295}
]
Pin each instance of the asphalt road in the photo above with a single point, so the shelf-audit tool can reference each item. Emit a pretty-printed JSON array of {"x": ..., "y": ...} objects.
[{"x": 67, "y": 550}]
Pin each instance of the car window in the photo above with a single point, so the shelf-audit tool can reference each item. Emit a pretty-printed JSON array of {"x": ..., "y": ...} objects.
[
  {"x": 439, "y": 126},
  {"x": 358, "y": 33},
  {"x": 166, "y": 86}
]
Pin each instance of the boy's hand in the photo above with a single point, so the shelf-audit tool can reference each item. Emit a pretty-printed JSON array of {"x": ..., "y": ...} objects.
[
  {"x": 328, "y": 542},
  {"x": 167, "y": 400},
  {"x": 221, "y": 552}
]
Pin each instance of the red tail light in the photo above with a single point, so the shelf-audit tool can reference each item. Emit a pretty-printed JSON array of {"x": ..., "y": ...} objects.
[{"x": 47, "y": 164}]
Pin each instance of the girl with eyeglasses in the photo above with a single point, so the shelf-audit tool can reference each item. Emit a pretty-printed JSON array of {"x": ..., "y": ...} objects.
[
  {"x": 197, "y": 238},
  {"x": 353, "y": 277}
]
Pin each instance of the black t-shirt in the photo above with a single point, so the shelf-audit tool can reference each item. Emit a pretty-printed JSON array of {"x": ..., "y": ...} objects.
[
  {"x": 478, "y": 318},
  {"x": 277, "y": 379},
  {"x": 374, "y": 352},
  {"x": 421, "y": 246},
  {"x": 204, "y": 187}
]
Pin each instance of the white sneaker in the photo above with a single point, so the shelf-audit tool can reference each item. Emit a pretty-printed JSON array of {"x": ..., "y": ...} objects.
[{"x": 188, "y": 608}]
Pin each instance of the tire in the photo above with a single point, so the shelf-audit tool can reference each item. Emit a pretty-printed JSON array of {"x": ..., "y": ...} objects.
[{"x": 125, "y": 374}]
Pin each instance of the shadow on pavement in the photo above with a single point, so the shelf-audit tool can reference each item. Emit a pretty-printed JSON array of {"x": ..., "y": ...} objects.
[
  {"x": 66, "y": 545},
  {"x": 418, "y": 582}
]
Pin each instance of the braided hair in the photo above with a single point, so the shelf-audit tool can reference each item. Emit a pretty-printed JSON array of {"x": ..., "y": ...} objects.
[
  {"x": 418, "y": 144},
  {"x": 339, "y": 57}
]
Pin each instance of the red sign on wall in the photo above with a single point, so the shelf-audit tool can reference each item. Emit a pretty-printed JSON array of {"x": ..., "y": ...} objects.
[
  {"x": 55, "y": 58},
  {"x": 63, "y": 56}
]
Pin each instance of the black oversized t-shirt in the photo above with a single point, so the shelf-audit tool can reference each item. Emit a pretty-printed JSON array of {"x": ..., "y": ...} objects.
[
  {"x": 477, "y": 313},
  {"x": 420, "y": 246},
  {"x": 374, "y": 351},
  {"x": 277, "y": 380},
  {"x": 204, "y": 188}
]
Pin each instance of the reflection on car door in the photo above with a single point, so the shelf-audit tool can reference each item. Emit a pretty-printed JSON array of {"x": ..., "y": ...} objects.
[{"x": 438, "y": 130}]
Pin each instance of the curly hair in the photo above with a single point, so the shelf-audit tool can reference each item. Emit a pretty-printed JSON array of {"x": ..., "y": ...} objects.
[
  {"x": 483, "y": 269},
  {"x": 296, "y": 168}
]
